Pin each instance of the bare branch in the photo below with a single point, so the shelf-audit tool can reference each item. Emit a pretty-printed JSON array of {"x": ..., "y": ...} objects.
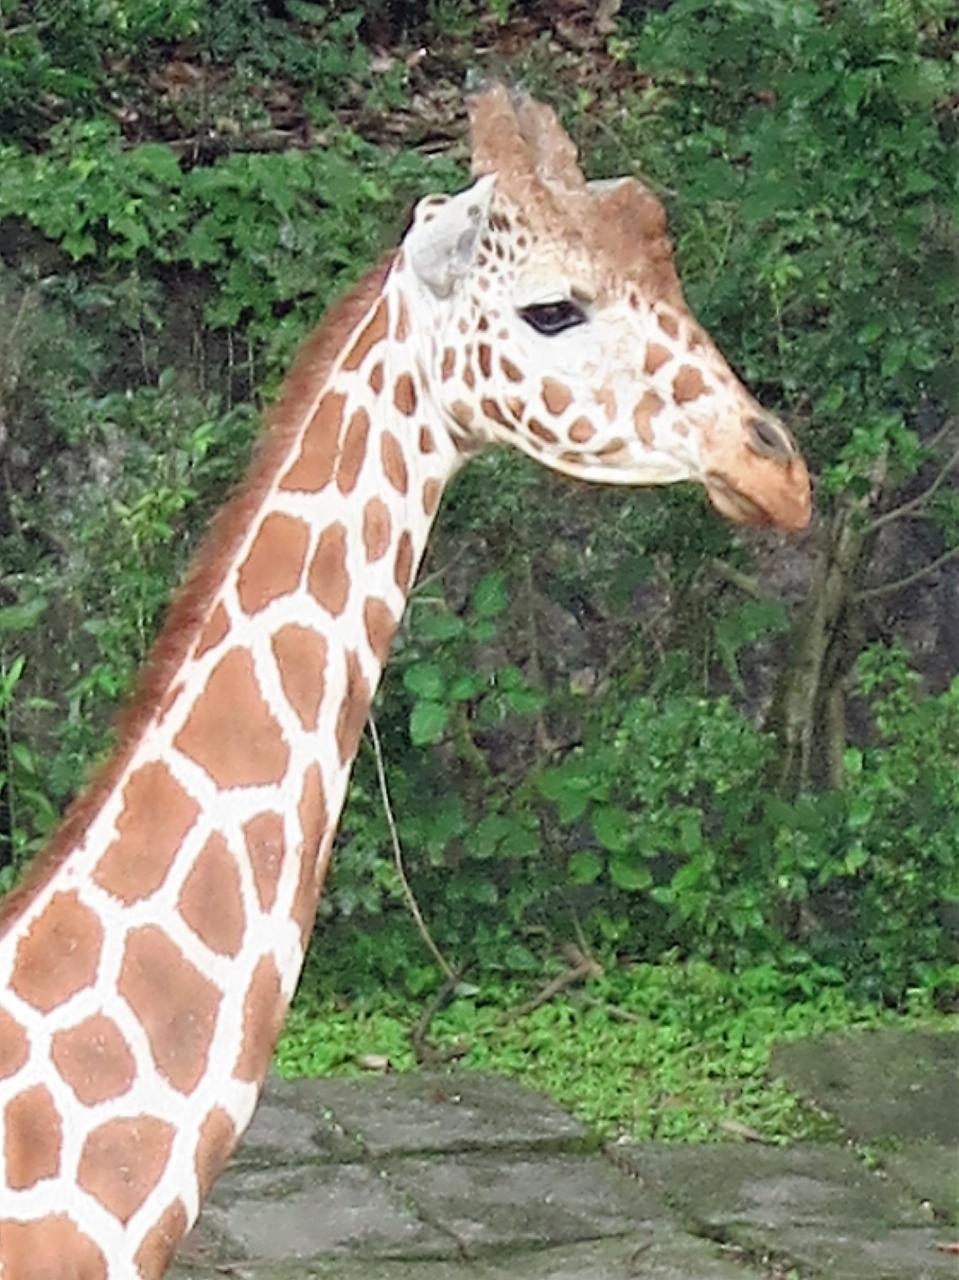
[
  {"x": 887, "y": 588},
  {"x": 736, "y": 576},
  {"x": 913, "y": 505},
  {"x": 398, "y": 858}
]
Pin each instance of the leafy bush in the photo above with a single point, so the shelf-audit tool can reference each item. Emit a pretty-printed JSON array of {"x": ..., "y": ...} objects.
[{"x": 616, "y": 788}]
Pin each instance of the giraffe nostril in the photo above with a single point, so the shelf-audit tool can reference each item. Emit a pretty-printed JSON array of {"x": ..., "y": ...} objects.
[{"x": 770, "y": 440}]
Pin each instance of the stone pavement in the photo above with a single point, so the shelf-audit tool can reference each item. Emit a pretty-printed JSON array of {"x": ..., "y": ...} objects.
[{"x": 469, "y": 1177}]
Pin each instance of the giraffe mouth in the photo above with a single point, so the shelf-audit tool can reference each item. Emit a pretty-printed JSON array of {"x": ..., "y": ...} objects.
[{"x": 736, "y": 506}]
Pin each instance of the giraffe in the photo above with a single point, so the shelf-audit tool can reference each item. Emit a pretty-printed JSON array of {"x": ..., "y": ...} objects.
[{"x": 148, "y": 958}]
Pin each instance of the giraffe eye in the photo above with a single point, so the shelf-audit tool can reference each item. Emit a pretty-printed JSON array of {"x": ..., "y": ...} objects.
[{"x": 553, "y": 317}]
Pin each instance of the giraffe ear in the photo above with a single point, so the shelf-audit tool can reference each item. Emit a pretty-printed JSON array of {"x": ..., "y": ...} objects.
[{"x": 441, "y": 241}]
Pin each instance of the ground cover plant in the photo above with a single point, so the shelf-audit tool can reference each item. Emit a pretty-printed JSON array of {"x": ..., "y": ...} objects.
[{"x": 684, "y": 788}]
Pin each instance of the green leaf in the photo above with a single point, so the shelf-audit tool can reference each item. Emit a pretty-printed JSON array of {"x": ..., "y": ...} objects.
[
  {"x": 21, "y": 617},
  {"x": 489, "y": 598},
  {"x": 438, "y": 625},
  {"x": 629, "y": 875},
  {"x": 612, "y": 827},
  {"x": 521, "y": 958},
  {"x": 427, "y": 722},
  {"x": 466, "y": 686},
  {"x": 425, "y": 679},
  {"x": 584, "y": 868},
  {"x": 690, "y": 833}
]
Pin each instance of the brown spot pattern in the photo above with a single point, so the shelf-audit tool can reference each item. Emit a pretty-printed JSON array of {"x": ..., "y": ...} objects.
[
  {"x": 311, "y": 812},
  {"x": 45, "y": 1247},
  {"x": 156, "y": 815},
  {"x": 449, "y": 364},
  {"x": 656, "y": 357},
  {"x": 354, "y": 451},
  {"x": 394, "y": 464},
  {"x": 669, "y": 324},
  {"x": 380, "y": 625},
  {"x": 300, "y": 655},
  {"x": 484, "y": 355},
  {"x": 402, "y": 330},
  {"x": 556, "y": 396},
  {"x": 175, "y": 1004},
  {"x": 353, "y": 709},
  {"x": 274, "y": 565},
  {"x": 216, "y": 628},
  {"x": 94, "y": 1059},
  {"x": 611, "y": 448},
  {"x": 426, "y": 440},
  {"x": 13, "y": 1046},
  {"x": 403, "y": 566},
  {"x": 404, "y": 395},
  {"x": 313, "y": 824},
  {"x": 513, "y": 373},
  {"x": 493, "y": 411},
  {"x": 211, "y": 900},
  {"x": 688, "y": 384},
  {"x": 607, "y": 399},
  {"x": 123, "y": 1160},
  {"x": 59, "y": 953},
  {"x": 377, "y": 528},
  {"x": 263, "y": 1011},
  {"x": 376, "y": 378},
  {"x": 231, "y": 732},
  {"x": 266, "y": 847},
  {"x": 373, "y": 333},
  {"x": 33, "y": 1137},
  {"x": 432, "y": 490},
  {"x": 160, "y": 1243},
  {"x": 462, "y": 413},
  {"x": 216, "y": 1140},
  {"x": 313, "y": 466},
  {"x": 328, "y": 581},
  {"x": 541, "y": 432},
  {"x": 643, "y": 415},
  {"x": 582, "y": 431}
]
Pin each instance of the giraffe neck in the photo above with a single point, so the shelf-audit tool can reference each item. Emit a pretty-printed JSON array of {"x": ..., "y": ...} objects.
[{"x": 146, "y": 966}]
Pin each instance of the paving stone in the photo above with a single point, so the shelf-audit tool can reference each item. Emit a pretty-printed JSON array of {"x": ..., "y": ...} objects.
[
  {"x": 401, "y": 1114},
  {"x": 930, "y": 1172},
  {"x": 294, "y": 1213},
  {"x": 770, "y": 1187},
  {"x": 854, "y": 1254},
  {"x": 880, "y": 1084},
  {"x": 289, "y": 1126},
  {"x": 664, "y": 1256},
  {"x": 490, "y": 1200}
]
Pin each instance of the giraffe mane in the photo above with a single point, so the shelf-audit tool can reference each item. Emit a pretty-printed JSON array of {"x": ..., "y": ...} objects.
[{"x": 190, "y": 604}]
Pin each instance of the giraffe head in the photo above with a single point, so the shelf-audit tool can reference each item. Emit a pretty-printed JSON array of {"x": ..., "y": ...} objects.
[{"x": 559, "y": 325}]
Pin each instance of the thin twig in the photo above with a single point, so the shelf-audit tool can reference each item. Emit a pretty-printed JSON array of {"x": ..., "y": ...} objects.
[
  {"x": 736, "y": 576},
  {"x": 887, "y": 588},
  {"x": 398, "y": 857},
  {"x": 897, "y": 513},
  {"x": 614, "y": 1011},
  {"x": 585, "y": 967},
  {"x": 422, "y": 1051}
]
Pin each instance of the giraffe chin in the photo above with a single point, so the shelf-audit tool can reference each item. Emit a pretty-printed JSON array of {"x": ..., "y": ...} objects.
[{"x": 736, "y": 506}]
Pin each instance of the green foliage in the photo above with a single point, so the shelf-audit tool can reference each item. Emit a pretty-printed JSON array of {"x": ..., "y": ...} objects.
[
  {"x": 270, "y": 233},
  {"x": 815, "y": 146},
  {"x": 654, "y": 1051},
  {"x": 571, "y": 717}
]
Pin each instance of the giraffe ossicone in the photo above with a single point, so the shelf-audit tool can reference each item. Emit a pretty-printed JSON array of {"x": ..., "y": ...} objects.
[{"x": 148, "y": 958}]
